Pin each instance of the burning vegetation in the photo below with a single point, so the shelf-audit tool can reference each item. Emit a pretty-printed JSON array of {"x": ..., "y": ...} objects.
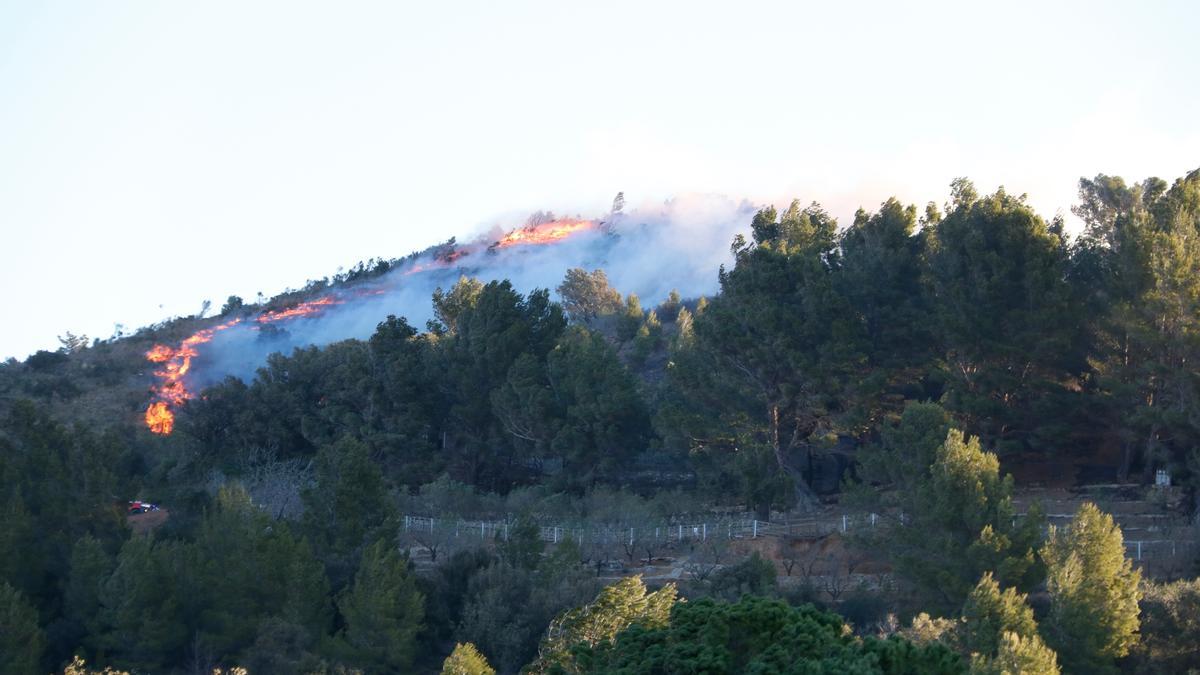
[
  {"x": 544, "y": 233},
  {"x": 175, "y": 363},
  {"x": 171, "y": 390},
  {"x": 310, "y": 308}
]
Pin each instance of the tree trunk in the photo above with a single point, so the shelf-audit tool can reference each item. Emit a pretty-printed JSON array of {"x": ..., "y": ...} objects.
[
  {"x": 762, "y": 511},
  {"x": 1126, "y": 462},
  {"x": 1148, "y": 456},
  {"x": 806, "y": 499}
]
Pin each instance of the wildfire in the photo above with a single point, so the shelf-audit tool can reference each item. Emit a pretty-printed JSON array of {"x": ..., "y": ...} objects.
[
  {"x": 175, "y": 362},
  {"x": 546, "y": 233},
  {"x": 171, "y": 390},
  {"x": 159, "y": 354},
  {"x": 159, "y": 418},
  {"x": 303, "y": 309}
]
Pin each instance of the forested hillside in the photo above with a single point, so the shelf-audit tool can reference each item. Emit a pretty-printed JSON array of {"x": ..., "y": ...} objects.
[{"x": 897, "y": 365}]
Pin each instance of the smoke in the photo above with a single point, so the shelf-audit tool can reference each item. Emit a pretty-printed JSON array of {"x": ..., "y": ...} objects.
[{"x": 679, "y": 244}]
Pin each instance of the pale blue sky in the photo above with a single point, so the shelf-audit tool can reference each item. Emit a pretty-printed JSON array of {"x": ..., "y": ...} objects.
[{"x": 153, "y": 155}]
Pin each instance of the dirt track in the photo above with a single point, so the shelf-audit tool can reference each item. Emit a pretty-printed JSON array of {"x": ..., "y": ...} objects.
[{"x": 144, "y": 523}]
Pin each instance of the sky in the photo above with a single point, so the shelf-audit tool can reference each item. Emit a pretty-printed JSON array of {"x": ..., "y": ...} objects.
[{"x": 156, "y": 155}]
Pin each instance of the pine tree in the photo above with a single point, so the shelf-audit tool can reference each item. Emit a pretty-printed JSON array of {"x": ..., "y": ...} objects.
[
  {"x": 989, "y": 614},
  {"x": 17, "y": 533},
  {"x": 1004, "y": 313},
  {"x": 631, "y": 318},
  {"x": 1169, "y": 627},
  {"x": 466, "y": 660},
  {"x": 1139, "y": 260},
  {"x": 1017, "y": 655},
  {"x": 89, "y": 568},
  {"x": 21, "y": 640},
  {"x": 757, "y": 635},
  {"x": 775, "y": 350},
  {"x": 670, "y": 307},
  {"x": 383, "y": 611},
  {"x": 685, "y": 333},
  {"x": 616, "y": 608},
  {"x": 142, "y": 605},
  {"x": 449, "y": 306},
  {"x": 501, "y": 328},
  {"x": 587, "y": 295},
  {"x": 347, "y": 508},
  {"x": 1094, "y": 592},
  {"x": 958, "y": 520},
  {"x": 648, "y": 336},
  {"x": 881, "y": 274},
  {"x": 581, "y": 405}
]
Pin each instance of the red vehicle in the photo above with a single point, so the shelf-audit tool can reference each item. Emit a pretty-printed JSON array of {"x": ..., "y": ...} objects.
[{"x": 141, "y": 507}]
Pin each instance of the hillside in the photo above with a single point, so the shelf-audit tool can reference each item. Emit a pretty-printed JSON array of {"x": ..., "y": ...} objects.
[{"x": 928, "y": 427}]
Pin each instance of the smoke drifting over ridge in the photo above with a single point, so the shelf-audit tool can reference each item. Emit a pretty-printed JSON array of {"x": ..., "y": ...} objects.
[{"x": 649, "y": 251}]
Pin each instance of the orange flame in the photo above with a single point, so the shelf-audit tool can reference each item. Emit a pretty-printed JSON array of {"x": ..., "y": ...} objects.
[
  {"x": 171, "y": 391},
  {"x": 159, "y": 418},
  {"x": 159, "y": 354},
  {"x": 546, "y": 233},
  {"x": 302, "y": 309}
]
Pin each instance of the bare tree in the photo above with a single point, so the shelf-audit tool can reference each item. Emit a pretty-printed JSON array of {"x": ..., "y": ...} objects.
[
  {"x": 707, "y": 557},
  {"x": 601, "y": 545},
  {"x": 436, "y": 536},
  {"x": 840, "y": 578},
  {"x": 273, "y": 484}
]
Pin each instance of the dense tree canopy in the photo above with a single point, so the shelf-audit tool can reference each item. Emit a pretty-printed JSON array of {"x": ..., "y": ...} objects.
[
  {"x": 899, "y": 360},
  {"x": 758, "y": 635},
  {"x": 1004, "y": 311},
  {"x": 955, "y": 519},
  {"x": 1094, "y": 592}
]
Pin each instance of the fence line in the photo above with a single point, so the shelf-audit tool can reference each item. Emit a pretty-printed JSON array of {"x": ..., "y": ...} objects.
[{"x": 666, "y": 532}]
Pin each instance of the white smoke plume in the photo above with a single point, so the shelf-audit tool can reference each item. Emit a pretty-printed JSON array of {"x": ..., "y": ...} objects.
[{"x": 679, "y": 244}]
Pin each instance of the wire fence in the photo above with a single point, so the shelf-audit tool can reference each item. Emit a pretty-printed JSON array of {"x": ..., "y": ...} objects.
[
  {"x": 668, "y": 531},
  {"x": 689, "y": 532}
]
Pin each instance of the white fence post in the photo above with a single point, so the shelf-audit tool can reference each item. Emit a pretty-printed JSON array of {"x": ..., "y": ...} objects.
[
  {"x": 704, "y": 532},
  {"x": 755, "y": 536},
  {"x": 843, "y": 523},
  {"x": 1139, "y": 555}
]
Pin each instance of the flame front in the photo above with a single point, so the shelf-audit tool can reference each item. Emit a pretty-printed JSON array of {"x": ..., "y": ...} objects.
[
  {"x": 175, "y": 362},
  {"x": 171, "y": 390},
  {"x": 302, "y": 309},
  {"x": 545, "y": 233},
  {"x": 159, "y": 418}
]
